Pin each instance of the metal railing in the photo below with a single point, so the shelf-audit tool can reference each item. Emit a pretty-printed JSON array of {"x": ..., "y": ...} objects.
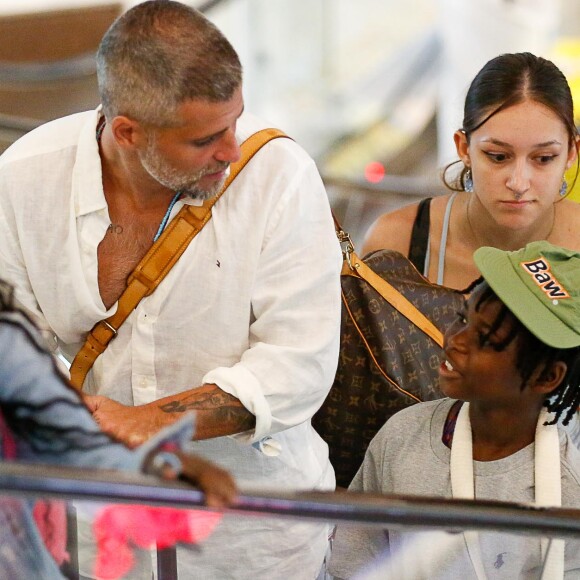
[
  {"x": 370, "y": 509},
  {"x": 406, "y": 186},
  {"x": 385, "y": 511}
]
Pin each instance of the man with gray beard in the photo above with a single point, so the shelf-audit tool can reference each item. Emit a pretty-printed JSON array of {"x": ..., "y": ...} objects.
[{"x": 244, "y": 329}]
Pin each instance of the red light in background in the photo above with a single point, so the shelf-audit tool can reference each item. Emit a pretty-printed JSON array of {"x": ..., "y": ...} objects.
[{"x": 374, "y": 172}]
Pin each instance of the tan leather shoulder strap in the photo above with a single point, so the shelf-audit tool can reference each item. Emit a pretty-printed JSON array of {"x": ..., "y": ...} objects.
[
  {"x": 393, "y": 297},
  {"x": 158, "y": 261},
  {"x": 353, "y": 266}
]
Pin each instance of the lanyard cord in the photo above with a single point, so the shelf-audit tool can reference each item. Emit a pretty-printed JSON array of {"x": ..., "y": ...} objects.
[{"x": 166, "y": 216}]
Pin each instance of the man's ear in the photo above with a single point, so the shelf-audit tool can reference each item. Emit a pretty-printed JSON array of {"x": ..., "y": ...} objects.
[
  {"x": 550, "y": 378},
  {"x": 127, "y": 132}
]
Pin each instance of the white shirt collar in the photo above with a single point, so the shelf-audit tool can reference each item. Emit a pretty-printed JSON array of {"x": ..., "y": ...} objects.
[{"x": 87, "y": 176}]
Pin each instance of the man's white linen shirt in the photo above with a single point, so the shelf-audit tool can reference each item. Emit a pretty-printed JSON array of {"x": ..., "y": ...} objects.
[{"x": 253, "y": 304}]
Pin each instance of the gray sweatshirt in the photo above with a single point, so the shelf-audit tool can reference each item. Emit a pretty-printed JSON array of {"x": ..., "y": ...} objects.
[{"x": 407, "y": 456}]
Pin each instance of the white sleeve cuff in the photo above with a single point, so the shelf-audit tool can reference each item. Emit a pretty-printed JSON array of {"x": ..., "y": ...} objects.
[{"x": 239, "y": 382}]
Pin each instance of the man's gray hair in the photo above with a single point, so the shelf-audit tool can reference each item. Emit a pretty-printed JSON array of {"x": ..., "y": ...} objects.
[{"x": 160, "y": 54}]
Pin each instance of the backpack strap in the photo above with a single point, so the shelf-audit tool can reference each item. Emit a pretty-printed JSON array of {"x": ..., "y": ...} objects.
[{"x": 158, "y": 261}]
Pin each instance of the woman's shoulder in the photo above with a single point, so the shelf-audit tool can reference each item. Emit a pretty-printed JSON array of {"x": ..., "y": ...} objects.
[{"x": 392, "y": 230}]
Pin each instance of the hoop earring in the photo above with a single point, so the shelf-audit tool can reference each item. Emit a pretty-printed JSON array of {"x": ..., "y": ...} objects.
[
  {"x": 563, "y": 188},
  {"x": 468, "y": 181}
]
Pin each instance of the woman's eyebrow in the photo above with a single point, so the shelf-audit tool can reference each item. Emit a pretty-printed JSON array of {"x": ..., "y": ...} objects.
[{"x": 501, "y": 143}]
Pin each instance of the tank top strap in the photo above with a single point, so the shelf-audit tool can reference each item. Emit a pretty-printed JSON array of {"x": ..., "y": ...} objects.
[
  {"x": 419, "y": 246},
  {"x": 443, "y": 244}
]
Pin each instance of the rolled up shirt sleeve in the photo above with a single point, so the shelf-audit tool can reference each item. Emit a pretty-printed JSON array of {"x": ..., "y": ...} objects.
[{"x": 286, "y": 373}]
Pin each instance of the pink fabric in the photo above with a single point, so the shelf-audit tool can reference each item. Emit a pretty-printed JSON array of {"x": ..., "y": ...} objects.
[
  {"x": 49, "y": 516},
  {"x": 119, "y": 528},
  {"x": 8, "y": 442}
]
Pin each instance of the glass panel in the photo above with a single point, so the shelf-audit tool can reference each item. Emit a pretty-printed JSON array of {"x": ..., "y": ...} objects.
[
  {"x": 377, "y": 537},
  {"x": 373, "y": 553}
]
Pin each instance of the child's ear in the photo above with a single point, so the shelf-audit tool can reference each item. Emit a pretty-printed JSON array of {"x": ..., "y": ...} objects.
[{"x": 549, "y": 378}]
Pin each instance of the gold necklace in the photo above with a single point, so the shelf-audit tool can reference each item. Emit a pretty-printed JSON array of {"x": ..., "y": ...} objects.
[{"x": 471, "y": 228}]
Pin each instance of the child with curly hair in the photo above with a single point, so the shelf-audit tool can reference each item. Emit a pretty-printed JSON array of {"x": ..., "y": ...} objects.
[{"x": 511, "y": 375}]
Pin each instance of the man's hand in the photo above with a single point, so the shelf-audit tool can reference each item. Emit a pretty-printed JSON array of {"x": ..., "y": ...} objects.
[
  {"x": 134, "y": 425},
  {"x": 130, "y": 425}
]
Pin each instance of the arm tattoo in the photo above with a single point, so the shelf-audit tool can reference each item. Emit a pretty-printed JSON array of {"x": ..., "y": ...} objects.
[{"x": 225, "y": 409}]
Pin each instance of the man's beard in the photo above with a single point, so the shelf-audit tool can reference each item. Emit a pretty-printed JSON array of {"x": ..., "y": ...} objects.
[{"x": 186, "y": 183}]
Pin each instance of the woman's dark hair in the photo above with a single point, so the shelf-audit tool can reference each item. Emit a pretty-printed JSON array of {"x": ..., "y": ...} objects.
[
  {"x": 532, "y": 354},
  {"x": 510, "y": 79}
]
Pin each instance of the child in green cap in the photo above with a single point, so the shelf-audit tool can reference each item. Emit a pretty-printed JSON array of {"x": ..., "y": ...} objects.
[{"x": 511, "y": 372}]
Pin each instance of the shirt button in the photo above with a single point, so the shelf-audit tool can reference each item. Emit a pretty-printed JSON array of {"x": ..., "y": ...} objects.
[{"x": 270, "y": 447}]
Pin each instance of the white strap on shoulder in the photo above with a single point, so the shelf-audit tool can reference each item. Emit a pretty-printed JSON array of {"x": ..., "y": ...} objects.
[
  {"x": 443, "y": 243},
  {"x": 548, "y": 487},
  {"x": 548, "y": 483},
  {"x": 463, "y": 481}
]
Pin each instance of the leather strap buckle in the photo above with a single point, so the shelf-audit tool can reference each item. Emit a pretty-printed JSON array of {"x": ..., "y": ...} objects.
[
  {"x": 102, "y": 333},
  {"x": 111, "y": 328}
]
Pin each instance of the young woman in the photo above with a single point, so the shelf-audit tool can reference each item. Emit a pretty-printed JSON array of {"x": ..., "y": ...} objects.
[
  {"x": 517, "y": 141},
  {"x": 511, "y": 370},
  {"x": 43, "y": 420}
]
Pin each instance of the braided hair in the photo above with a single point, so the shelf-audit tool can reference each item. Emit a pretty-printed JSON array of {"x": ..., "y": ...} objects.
[{"x": 532, "y": 353}]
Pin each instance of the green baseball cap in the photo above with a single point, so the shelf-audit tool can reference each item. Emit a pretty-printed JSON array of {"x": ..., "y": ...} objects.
[{"x": 540, "y": 284}]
